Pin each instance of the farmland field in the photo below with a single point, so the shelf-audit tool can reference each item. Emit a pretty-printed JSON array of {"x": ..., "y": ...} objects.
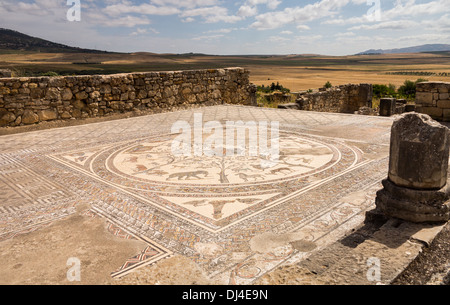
[{"x": 296, "y": 72}]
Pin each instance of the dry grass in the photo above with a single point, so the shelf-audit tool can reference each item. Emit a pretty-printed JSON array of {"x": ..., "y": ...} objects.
[{"x": 295, "y": 72}]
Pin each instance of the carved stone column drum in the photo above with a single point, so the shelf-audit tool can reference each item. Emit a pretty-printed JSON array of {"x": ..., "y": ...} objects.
[{"x": 416, "y": 188}]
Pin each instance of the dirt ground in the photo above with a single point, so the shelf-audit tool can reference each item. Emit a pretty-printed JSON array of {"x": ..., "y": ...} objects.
[{"x": 432, "y": 266}]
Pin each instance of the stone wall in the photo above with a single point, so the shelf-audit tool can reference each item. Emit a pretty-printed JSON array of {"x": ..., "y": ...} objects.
[
  {"x": 31, "y": 100},
  {"x": 433, "y": 98},
  {"x": 342, "y": 99}
]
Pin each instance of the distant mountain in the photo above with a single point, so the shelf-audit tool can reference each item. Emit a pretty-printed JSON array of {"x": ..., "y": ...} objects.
[
  {"x": 416, "y": 49},
  {"x": 13, "y": 40}
]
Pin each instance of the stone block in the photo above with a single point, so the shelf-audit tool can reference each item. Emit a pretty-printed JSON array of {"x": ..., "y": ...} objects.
[
  {"x": 444, "y": 96},
  {"x": 434, "y": 112},
  {"x": 52, "y": 94},
  {"x": 65, "y": 115},
  {"x": 419, "y": 152},
  {"x": 79, "y": 104},
  {"x": 444, "y": 104},
  {"x": 424, "y": 98},
  {"x": 410, "y": 108},
  {"x": 6, "y": 118},
  {"x": 446, "y": 115},
  {"x": 400, "y": 108},
  {"x": 66, "y": 94},
  {"x": 81, "y": 95},
  {"x": 387, "y": 106},
  {"x": 443, "y": 87},
  {"x": 29, "y": 117},
  {"x": 47, "y": 115}
]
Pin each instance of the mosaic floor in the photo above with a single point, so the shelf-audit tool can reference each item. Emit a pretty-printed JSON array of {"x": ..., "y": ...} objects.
[{"x": 211, "y": 209}]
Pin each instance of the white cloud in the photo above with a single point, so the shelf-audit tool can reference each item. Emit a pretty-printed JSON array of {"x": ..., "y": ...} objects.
[
  {"x": 247, "y": 11},
  {"x": 388, "y": 25},
  {"x": 211, "y": 14},
  {"x": 125, "y": 21},
  {"x": 140, "y": 31},
  {"x": 185, "y": 3},
  {"x": 345, "y": 34},
  {"x": 278, "y": 39},
  {"x": 271, "y": 4},
  {"x": 188, "y": 20},
  {"x": 402, "y": 9},
  {"x": 303, "y": 27},
  {"x": 208, "y": 37},
  {"x": 440, "y": 25},
  {"x": 145, "y": 9},
  {"x": 224, "y": 31},
  {"x": 300, "y": 15}
]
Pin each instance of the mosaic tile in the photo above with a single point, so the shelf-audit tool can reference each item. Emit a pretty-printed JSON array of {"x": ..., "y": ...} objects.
[{"x": 206, "y": 208}]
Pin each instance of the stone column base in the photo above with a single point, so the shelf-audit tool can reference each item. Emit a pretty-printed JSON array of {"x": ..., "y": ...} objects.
[{"x": 414, "y": 205}]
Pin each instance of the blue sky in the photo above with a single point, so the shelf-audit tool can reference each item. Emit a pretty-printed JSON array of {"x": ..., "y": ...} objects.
[{"x": 223, "y": 27}]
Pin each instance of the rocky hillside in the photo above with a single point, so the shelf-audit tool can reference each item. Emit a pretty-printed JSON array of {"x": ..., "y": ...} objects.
[
  {"x": 13, "y": 40},
  {"x": 416, "y": 49}
]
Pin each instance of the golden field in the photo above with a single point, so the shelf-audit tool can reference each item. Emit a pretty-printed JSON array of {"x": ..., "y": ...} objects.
[{"x": 296, "y": 72}]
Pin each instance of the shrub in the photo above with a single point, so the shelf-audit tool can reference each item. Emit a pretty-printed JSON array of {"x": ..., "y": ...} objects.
[
  {"x": 50, "y": 73},
  {"x": 408, "y": 89},
  {"x": 328, "y": 85},
  {"x": 273, "y": 87},
  {"x": 380, "y": 91}
]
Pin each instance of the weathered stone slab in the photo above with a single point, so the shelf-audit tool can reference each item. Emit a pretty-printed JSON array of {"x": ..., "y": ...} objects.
[
  {"x": 425, "y": 98},
  {"x": 434, "y": 112},
  {"x": 387, "y": 106},
  {"x": 444, "y": 104}
]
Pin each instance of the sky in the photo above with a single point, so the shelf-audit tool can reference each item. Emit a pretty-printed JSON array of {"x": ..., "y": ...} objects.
[{"x": 224, "y": 27}]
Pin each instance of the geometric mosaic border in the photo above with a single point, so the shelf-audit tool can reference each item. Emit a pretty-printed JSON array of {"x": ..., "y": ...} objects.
[{"x": 151, "y": 254}]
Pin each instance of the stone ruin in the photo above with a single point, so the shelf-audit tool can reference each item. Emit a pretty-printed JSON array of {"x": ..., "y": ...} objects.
[
  {"x": 432, "y": 98},
  {"x": 391, "y": 106},
  {"x": 341, "y": 99},
  {"x": 31, "y": 100},
  {"x": 416, "y": 189}
]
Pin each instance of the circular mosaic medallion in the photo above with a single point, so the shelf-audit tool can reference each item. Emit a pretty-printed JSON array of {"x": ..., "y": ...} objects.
[{"x": 154, "y": 162}]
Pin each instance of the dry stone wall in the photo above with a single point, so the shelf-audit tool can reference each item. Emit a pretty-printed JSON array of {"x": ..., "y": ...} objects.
[
  {"x": 31, "y": 100},
  {"x": 433, "y": 98},
  {"x": 342, "y": 99}
]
